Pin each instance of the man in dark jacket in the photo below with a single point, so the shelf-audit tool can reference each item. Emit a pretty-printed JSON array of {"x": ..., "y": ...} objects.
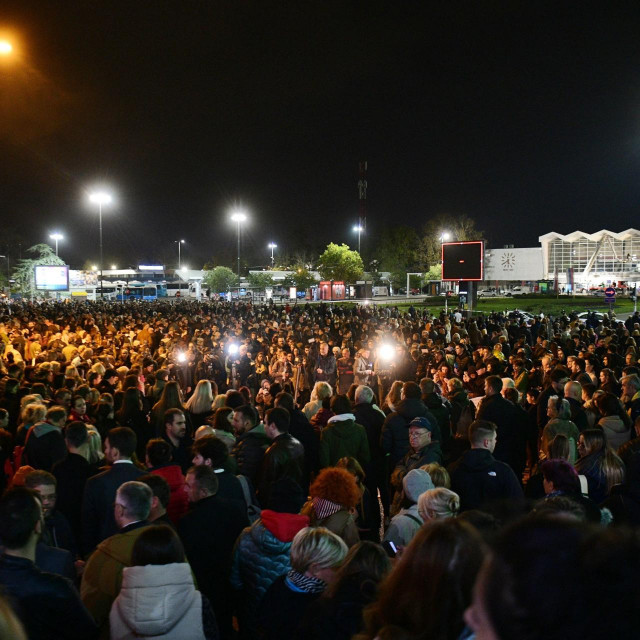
[
  {"x": 45, "y": 442},
  {"x": 283, "y": 459},
  {"x": 48, "y": 605},
  {"x": 477, "y": 477},
  {"x": 372, "y": 419},
  {"x": 440, "y": 409},
  {"x": 209, "y": 532},
  {"x": 301, "y": 429},
  {"x": 100, "y": 491},
  {"x": 326, "y": 368},
  {"x": 71, "y": 475},
  {"x": 251, "y": 442},
  {"x": 573, "y": 393},
  {"x": 494, "y": 408},
  {"x": 394, "y": 440}
]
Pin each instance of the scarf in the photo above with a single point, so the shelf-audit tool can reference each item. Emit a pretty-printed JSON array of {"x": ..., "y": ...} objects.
[
  {"x": 304, "y": 584},
  {"x": 325, "y": 508}
]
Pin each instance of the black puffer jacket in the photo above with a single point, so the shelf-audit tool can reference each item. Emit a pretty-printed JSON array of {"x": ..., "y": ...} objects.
[{"x": 395, "y": 431}]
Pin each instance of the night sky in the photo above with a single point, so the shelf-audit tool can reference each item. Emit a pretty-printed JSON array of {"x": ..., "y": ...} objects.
[{"x": 522, "y": 115}]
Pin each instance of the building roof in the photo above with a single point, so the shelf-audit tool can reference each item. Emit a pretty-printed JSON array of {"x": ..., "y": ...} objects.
[{"x": 594, "y": 237}]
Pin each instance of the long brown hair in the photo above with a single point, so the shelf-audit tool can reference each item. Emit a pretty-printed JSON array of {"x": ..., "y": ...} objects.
[{"x": 429, "y": 589}]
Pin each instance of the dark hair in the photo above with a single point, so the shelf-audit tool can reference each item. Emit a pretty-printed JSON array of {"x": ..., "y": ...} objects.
[
  {"x": 158, "y": 451},
  {"x": 158, "y": 544},
  {"x": 130, "y": 404},
  {"x": 124, "y": 440},
  {"x": 19, "y": 512},
  {"x": 340, "y": 404},
  {"x": 512, "y": 394},
  {"x": 205, "y": 478},
  {"x": 410, "y": 390},
  {"x": 159, "y": 486},
  {"x": 279, "y": 417},
  {"x": 234, "y": 399},
  {"x": 76, "y": 433},
  {"x": 56, "y": 413},
  {"x": 211, "y": 448},
  {"x": 39, "y": 477},
  {"x": 170, "y": 414},
  {"x": 480, "y": 430},
  {"x": 221, "y": 419},
  {"x": 440, "y": 565},
  {"x": 494, "y": 383},
  {"x": 284, "y": 400},
  {"x": 562, "y": 474},
  {"x": 367, "y": 562},
  {"x": 248, "y": 413}
]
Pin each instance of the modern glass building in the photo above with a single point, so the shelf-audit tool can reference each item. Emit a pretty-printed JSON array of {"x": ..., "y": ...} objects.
[{"x": 592, "y": 259}]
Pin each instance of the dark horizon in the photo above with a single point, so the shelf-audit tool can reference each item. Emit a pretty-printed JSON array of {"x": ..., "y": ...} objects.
[{"x": 505, "y": 112}]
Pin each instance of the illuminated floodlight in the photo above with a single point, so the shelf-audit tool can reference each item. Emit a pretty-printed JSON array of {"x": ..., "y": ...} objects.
[
  {"x": 6, "y": 48},
  {"x": 233, "y": 349},
  {"x": 100, "y": 197},
  {"x": 94, "y": 267},
  {"x": 182, "y": 357},
  {"x": 386, "y": 351},
  {"x": 114, "y": 266}
]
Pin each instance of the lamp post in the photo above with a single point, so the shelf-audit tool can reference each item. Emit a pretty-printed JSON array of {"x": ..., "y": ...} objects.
[
  {"x": 179, "y": 243},
  {"x": 272, "y": 246},
  {"x": 444, "y": 236},
  {"x": 359, "y": 228},
  {"x": 56, "y": 237},
  {"x": 100, "y": 198},
  {"x": 238, "y": 217}
]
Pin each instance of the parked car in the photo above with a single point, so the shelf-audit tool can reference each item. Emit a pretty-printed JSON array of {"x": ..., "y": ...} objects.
[{"x": 491, "y": 292}]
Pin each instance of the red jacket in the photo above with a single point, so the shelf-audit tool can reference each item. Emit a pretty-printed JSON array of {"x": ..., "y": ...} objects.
[{"x": 178, "y": 501}]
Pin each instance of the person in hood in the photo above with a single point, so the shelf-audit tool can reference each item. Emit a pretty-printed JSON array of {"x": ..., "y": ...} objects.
[
  {"x": 343, "y": 437},
  {"x": 477, "y": 477},
  {"x": 262, "y": 551},
  {"x": 408, "y": 521},
  {"x": 102, "y": 575},
  {"x": 395, "y": 433},
  {"x": 158, "y": 598},
  {"x": 44, "y": 441}
]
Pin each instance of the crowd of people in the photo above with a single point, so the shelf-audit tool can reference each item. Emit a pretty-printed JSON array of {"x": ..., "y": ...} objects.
[{"x": 228, "y": 470}]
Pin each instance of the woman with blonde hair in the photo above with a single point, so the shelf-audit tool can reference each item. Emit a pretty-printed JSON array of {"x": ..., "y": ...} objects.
[
  {"x": 439, "y": 503},
  {"x": 393, "y": 397},
  {"x": 321, "y": 391},
  {"x": 199, "y": 404}
]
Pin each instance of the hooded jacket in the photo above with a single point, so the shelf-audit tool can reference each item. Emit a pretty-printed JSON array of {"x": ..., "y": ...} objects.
[
  {"x": 343, "y": 437},
  {"x": 478, "y": 478},
  {"x": 261, "y": 555},
  {"x": 615, "y": 430},
  {"x": 45, "y": 446},
  {"x": 157, "y": 601},
  {"x": 395, "y": 431}
]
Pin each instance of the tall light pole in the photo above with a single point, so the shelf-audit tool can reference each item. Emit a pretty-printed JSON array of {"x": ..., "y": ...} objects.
[
  {"x": 359, "y": 228},
  {"x": 444, "y": 237},
  {"x": 238, "y": 217},
  {"x": 272, "y": 246},
  {"x": 100, "y": 198},
  {"x": 179, "y": 242},
  {"x": 56, "y": 236}
]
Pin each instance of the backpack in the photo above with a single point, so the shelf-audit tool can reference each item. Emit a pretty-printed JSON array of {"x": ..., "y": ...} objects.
[
  {"x": 467, "y": 416},
  {"x": 253, "y": 509}
]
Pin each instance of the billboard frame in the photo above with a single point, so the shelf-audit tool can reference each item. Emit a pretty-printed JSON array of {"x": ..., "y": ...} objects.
[
  {"x": 49, "y": 266},
  {"x": 481, "y": 243}
]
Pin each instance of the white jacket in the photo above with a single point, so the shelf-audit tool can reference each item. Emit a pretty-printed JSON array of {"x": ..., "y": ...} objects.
[{"x": 157, "y": 601}]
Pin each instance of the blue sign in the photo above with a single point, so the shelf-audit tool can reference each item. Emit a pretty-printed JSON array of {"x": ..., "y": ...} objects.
[{"x": 609, "y": 295}]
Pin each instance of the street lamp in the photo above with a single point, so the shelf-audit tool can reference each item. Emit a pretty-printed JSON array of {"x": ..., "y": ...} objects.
[
  {"x": 238, "y": 217},
  {"x": 100, "y": 198},
  {"x": 56, "y": 236},
  {"x": 6, "y": 48},
  {"x": 179, "y": 243},
  {"x": 359, "y": 228},
  {"x": 272, "y": 246},
  {"x": 444, "y": 236}
]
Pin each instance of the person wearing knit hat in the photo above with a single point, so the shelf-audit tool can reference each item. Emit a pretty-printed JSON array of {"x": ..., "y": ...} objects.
[{"x": 406, "y": 524}]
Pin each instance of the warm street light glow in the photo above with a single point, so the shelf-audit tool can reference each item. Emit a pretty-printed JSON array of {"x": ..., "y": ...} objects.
[
  {"x": 114, "y": 266},
  {"x": 5, "y": 48},
  {"x": 444, "y": 236},
  {"x": 94, "y": 267},
  {"x": 179, "y": 243},
  {"x": 185, "y": 269},
  {"x": 358, "y": 228},
  {"x": 56, "y": 236}
]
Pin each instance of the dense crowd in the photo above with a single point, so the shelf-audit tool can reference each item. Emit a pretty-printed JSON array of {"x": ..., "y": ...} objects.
[{"x": 229, "y": 470}]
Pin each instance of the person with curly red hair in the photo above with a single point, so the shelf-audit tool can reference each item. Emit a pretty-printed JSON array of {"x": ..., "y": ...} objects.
[{"x": 334, "y": 496}]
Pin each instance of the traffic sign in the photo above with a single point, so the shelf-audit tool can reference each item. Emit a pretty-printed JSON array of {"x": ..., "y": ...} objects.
[{"x": 609, "y": 295}]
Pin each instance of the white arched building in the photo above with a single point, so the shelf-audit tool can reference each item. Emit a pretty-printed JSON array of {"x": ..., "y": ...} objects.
[{"x": 592, "y": 259}]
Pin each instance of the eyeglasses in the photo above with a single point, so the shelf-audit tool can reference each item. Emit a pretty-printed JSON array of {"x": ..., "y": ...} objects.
[{"x": 417, "y": 434}]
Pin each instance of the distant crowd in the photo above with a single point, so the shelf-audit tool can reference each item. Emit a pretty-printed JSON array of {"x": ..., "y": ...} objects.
[{"x": 231, "y": 470}]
